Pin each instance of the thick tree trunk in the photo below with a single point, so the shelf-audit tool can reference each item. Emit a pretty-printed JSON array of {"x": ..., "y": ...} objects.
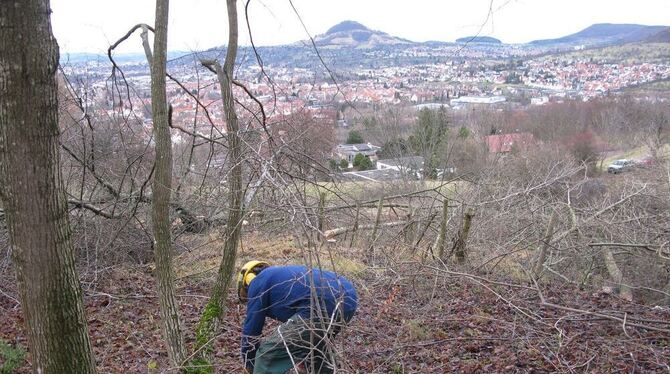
[
  {"x": 162, "y": 185},
  {"x": 32, "y": 191}
]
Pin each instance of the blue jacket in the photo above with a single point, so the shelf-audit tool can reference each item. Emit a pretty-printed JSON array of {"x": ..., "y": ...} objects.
[{"x": 279, "y": 292}]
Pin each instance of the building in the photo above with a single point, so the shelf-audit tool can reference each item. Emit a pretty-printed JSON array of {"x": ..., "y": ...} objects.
[
  {"x": 539, "y": 100},
  {"x": 431, "y": 106},
  {"x": 404, "y": 164},
  {"x": 477, "y": 100},
  {"x": 349, "y": 151}
]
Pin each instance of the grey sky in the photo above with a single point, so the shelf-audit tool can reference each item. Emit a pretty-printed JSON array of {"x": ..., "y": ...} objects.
[{"x": 91, "y": 25}]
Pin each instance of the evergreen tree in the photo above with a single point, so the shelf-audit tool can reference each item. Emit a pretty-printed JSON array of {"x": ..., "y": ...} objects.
[{"x": 355, "y": 137}]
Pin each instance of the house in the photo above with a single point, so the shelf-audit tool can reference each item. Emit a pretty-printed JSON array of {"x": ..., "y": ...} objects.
[
  {"x": 505, "y": 143},
  {"x": 404, "y": 164},
  {"x": 539, "y": 100},
  {"x": 349, "y": 151},
  {"x": 478, "y": 100}
]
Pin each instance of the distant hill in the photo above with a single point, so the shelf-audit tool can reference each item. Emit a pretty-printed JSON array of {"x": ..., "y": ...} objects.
[
  {"x": 74, "y": 58},
  {"x": 660, "y": 37},
  {"x": 346, "y": 26},
  {"x": 478, "y": 39},
  {"x": 351, "y": 34},
  {"x": 604, "y": 34}
]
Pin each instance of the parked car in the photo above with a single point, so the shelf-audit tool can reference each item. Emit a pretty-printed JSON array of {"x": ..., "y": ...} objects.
[{"x": 619, "y": 166}]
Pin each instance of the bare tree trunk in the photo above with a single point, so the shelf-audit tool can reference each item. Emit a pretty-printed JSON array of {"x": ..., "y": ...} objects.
[
  {"x": 162, "y": 185},
  {"x": 32, "y": 192},
  {"x": 461, "y": 241},
  {"x": 321, "y": 214},
  {"x": 617, "y": 277},
  {"x": 375, "y": 229},
  {"x": 355, "y": 227},
  {"x": 410, "y": 229},
  {"x": 542, "y": 254},
  {"x": 215, "y": 308},
  {"x": 438, "y": 247}
]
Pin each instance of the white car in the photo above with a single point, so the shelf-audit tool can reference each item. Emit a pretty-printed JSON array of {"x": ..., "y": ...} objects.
[{"x": 620, "y": 165}]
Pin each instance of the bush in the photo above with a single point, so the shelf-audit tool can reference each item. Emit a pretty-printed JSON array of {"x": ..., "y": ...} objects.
[
  {"x": 366, "y": 164},
  {"x": 358, "y": 159},
  {"x": 362, "y": 162},
  {"x": 344, "y": 164}
]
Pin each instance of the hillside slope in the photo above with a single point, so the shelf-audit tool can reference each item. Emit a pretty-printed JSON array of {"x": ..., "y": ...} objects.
[
  {"x": 660, "y": 37},
  {"x": 604, "y": 34}
]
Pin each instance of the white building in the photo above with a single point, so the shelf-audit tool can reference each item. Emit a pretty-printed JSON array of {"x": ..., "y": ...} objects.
[{"x": 349, "y": 151}]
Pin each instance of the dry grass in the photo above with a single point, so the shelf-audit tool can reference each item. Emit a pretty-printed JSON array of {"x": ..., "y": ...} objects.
[{"x": 632, "y": 154}]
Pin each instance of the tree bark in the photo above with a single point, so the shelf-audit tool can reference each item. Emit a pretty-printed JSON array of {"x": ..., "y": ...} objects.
[
  {"x": 460, "y": 244},
  {"x": 32, "y": 191},
  {"x": 615, "y": 273},
  {"x": 544, "y": 249},
  {"x": 375, "y": 228},
  {"x": 162, "y": 185},
  {"x": 236, "y": 188},
  {"x": 438, "y": 247},
  {"x": 215, "y": 308}
]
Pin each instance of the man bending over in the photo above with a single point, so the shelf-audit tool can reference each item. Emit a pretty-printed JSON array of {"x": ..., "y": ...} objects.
[{"x": 312, "y": 305}]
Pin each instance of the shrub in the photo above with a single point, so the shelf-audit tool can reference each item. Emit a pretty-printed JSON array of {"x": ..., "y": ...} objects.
[
  {"x": 358, "y": 159},
  {"x": 344, "y": 164}
]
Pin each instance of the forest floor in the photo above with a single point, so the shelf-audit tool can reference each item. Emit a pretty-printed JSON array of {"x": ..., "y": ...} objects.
[{"x": 408, "y": 321}]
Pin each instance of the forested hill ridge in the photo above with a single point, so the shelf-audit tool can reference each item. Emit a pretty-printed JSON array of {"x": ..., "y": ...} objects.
[
  {"x": 601, "y": 34},
  {"x": 661, "y": 37},
  {"x": 479, "y": 39}
]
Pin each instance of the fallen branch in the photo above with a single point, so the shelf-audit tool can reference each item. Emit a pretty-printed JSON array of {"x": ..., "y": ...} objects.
[
  {"x": 575, "y": 227},
  {"x": 649, "y": 247},
  {"x": 623, "y": 321},
  {"x": 328, "y": 234},
  {"x": 90, "y": 207}
]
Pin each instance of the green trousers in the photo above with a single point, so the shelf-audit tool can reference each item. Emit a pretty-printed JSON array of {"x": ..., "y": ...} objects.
[{"x": 297, "y": 341}]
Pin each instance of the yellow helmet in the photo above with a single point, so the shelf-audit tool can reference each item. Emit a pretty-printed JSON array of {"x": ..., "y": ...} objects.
[{"x": 247, "y": 273}]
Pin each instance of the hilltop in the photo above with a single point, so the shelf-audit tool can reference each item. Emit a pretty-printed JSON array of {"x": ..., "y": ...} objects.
[
  {"x": 351, "y": 34},
  {"x": 479, "y": 39}
]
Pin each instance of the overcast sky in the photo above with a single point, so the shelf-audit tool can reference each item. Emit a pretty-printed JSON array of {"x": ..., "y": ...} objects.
[{"x": 91, "y": 25}]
